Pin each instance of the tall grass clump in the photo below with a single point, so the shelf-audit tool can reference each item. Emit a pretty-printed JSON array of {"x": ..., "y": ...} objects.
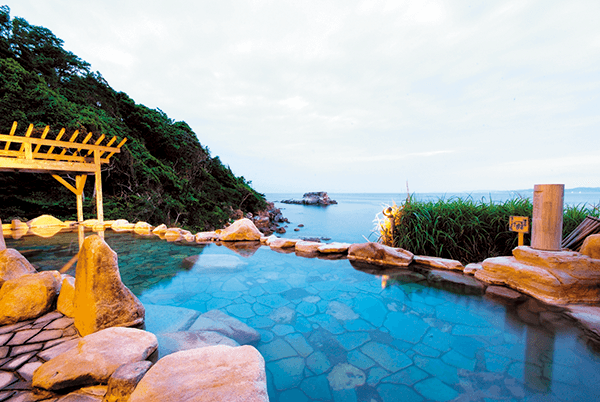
[{"x": 465, "y": 229}]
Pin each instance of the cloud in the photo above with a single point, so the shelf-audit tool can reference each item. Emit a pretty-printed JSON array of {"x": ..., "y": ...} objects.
[{"x": 452, "y": 95}]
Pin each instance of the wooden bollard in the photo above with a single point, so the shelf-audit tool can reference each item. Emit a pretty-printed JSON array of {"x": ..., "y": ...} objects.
[{"x": 547, "y": 219}]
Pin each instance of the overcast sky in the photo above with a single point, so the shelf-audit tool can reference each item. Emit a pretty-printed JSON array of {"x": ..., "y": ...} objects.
[{"x": 348, "y": 96}]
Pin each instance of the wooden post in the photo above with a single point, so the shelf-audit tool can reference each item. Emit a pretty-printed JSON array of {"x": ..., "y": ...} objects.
[
  {"x": 547, "y": 222},
  {"x": 98, "y": 179},
  {"x": 79, "y": 183}
]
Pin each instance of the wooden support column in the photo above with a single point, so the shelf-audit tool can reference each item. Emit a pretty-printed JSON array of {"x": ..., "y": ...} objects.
[
  {"x": 98, "y": 180},
  {"x": 80, "y": 182}
]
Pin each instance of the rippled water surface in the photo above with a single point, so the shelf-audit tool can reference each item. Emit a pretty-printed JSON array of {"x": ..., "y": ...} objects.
[{"x": 330, "y": 332}]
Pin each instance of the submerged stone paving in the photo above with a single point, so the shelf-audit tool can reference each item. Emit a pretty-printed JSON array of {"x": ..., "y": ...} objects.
[
  {"x": 332, "y": 333},
  {"x": 27, "y": 345}
]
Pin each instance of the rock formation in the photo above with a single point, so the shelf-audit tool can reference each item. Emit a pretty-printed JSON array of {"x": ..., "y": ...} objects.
[
  {"x": 552, "y": 276},
  {"x": 28, "y": 296},
  {"x": 96, "y": 357},
  {"x": 101, "y": 299},
  {"x": 13, "y": 265},
  {"x": 240, "y": 230},
  {"x": 379, "y": 254},
  {"x": 313, "y": 198},
  {"x": 214, "y": 373}
]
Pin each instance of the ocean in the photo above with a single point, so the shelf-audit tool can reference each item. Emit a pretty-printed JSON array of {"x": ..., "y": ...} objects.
[{"x": 353, "y": 219}]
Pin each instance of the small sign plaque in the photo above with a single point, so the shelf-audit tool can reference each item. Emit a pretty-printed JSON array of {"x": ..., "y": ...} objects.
[{"x": 519, "y": 224}]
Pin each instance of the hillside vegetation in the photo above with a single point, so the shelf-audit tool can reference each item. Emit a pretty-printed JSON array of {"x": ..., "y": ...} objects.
[{"x": 162, "y": 175}]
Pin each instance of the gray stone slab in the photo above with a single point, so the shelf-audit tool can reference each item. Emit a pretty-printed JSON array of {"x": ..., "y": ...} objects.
[
  {"x": 287, "y": 373},
  {"x": 46, "y": 318},
  {"x": 168, "y": 318},
  {"x": 278, "y": 349},
  {"x": 47, "y": 336},
  {"x": 13, "y": 327},
  {"x": 26, "y": 371},
  {"x": 18, "y": 361},
  {"x": 22, "y": 337},
  {"x": 7, "y": 378},
  {"x": 54, "y": 351},
  {"x": 4, "y": 338},
  {"x": 61, "y": 323},
  {"x": 19, "y": 350},
  {"x": 299, "y": 343},
  {"x": 387, "y": 357}
]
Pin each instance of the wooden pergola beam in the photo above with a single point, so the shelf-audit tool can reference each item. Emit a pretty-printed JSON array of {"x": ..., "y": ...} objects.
[{"x": 69, "y": 160}]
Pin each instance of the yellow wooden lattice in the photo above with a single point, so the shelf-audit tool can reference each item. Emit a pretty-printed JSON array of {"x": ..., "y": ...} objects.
[{"x": 41, "y": 155}]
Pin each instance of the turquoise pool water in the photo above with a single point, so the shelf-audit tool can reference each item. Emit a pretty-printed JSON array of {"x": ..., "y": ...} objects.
[{"x": 330, "y": 332}]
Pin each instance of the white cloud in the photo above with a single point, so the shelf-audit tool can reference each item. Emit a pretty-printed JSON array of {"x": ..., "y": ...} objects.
[{"x": 450, "y": 95}]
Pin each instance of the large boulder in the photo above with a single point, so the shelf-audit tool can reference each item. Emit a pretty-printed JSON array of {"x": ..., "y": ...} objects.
[
  {"x": 28, "y": 296},
  {"x": 13, "y": 265},
  {"x": 242, "y": 229},
  {"x": 124, "y": 380},
  {"x": 379, "y": 254},
  {"x": 437, "y": 262},
  {"x": 95, "y": 359},
  {"x": 101, "y": 299},
  {"x": 210, "y": 374},
  {"x": 591, "y": 246},
  {"x": 171, "y": 342},
  {"x": 557, "y": 277},
  {"x": 44, "y": 221}
]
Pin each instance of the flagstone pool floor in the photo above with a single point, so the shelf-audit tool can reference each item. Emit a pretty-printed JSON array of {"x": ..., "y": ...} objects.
[{"x": 330, "y": 332}]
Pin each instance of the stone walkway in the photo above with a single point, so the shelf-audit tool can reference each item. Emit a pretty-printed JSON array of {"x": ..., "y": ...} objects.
[{"x": 27, "y": 345}]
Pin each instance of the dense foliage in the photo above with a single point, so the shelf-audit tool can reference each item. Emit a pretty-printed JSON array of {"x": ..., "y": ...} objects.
[
  {"x": 162, "y": 175},
  {"x": 468, "y": 230}
]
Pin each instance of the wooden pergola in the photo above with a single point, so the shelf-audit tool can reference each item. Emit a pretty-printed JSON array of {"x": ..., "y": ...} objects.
[{"x": 57, "y": 156}]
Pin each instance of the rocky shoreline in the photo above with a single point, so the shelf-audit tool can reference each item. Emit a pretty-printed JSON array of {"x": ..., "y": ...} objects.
[{"x": 30, "y": 343}]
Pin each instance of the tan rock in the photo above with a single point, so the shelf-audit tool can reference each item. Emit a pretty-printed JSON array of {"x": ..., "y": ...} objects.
[
  {"x": 379, "y": 254},
  {"x": 28, "y": 296},
  {"x": 101, "y": 299},
  {"x": 283, "y": 243},
  {"x": 90, "y": 223},
  {"x": 142, "y": 228},
  {"x": 441, "y": 263},
  {"x": 64, "y": 304},
  {"x": 591, "y": 246},
  {"x": 471, "y": 268},
  {"x": 210, "y": 374},
  {"x": 552, "y": 276},
  {"x": 124, "y": 380},
  {"x": 18, "y": 225},
  {"x": 173, "y": 234},
  {"x": 189, "y": 237},
  {"x": 13, "y": 265},
  {"x": 160, "y": 229},
  {"x": 334, "y": 247},
  {"x": 45, "y": 220},
  {"x": 203, "y": 237},
  {"x": 96, "y": 357},
  {"x": 242, "y": 229},
  {"x": 267, "y": 239},
  {"x": 122, "y": 225},
  {"x": 308, "y": 246}
]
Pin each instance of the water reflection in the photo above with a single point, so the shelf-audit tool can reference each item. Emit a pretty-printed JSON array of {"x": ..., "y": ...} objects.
[{"x": 402, "y": 335}]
